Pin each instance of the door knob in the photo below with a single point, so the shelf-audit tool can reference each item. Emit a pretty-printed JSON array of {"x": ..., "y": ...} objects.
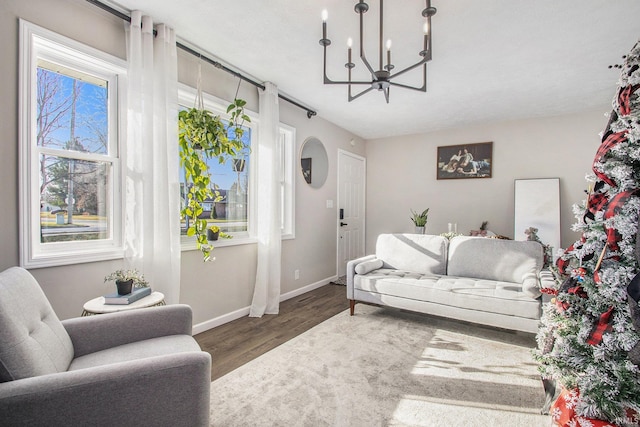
[{"x": 342, "y": 224}]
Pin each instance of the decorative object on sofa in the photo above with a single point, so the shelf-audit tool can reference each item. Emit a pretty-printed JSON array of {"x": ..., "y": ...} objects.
[
  {"x": 202, "y": 136},
  {"x": 488, "y": 281},
  {"x": 482, "y": 232},
  {"x": 382, "y": 79},
  {"x": 126, "y": 280},
  {"x": 532, "y": 234},
  {"x": 450, "y": 235},
  {"x": 71, "y": 372},
  {"x": 589, "y": 334},
  {"x": 420, "y": 220},
  {"x": 465, "y": 161}
]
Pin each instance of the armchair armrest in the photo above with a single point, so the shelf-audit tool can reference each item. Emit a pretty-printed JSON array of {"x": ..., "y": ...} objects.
[
  {"x": 95, "y": 333},
  {"x": 351, "y": 272},
  {"x": 165, "y": 390}
]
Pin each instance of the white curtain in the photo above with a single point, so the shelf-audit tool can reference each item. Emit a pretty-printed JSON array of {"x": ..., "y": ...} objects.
[
  {"x": 266, "y": 294},
  {"x": 152, "y": 228}
]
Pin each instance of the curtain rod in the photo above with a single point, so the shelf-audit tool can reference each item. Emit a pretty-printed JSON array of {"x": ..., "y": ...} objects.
[{"x": 310, "y": 113}]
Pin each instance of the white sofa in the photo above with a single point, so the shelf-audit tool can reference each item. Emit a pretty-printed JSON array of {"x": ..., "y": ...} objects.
[{"x": 476, "y": 279}]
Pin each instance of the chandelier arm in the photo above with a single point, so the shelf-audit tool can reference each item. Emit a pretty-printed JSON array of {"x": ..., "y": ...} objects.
[
  {"x": 363, "y": 57},
  {"x": 423, "y": 88},
  {"x": 328, "y": 81},
  {"x": 409, "y": 68},
  {"x": 351, "y": 98}
]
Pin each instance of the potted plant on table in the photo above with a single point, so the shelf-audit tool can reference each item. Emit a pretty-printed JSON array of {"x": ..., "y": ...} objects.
[
  {"x": 420, "y": 220},
  {"x": 126, "y": 280}
]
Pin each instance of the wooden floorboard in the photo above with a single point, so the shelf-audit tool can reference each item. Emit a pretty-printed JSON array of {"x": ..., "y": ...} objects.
[{"x": 235, "y": 343}]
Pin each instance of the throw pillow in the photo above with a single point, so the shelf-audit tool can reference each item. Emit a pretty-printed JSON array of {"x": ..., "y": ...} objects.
[{"x": 368, "y": 266}]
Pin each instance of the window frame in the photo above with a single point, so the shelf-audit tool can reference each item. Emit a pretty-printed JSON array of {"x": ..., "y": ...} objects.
[
  {"x": 39, "y": 43},
  {"x": 186, "y": 97}
]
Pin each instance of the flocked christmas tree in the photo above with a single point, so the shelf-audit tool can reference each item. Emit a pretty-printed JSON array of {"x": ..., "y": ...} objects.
[{"x": 589, "y": 340}]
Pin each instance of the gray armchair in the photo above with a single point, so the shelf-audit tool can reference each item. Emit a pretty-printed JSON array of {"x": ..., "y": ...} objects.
[{"x": 134, "y": 368}]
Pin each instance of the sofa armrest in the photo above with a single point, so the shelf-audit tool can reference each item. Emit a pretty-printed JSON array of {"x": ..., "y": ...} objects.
[
  {"x": 547, "y": 279},
  {"x": 351, "y": 272},
  {"x": 166, "y": 390},
  {"x": 94, "y": 333}
]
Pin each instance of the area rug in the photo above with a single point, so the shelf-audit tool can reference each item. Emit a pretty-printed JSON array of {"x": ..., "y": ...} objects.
[{"x": 386, "y": 367}]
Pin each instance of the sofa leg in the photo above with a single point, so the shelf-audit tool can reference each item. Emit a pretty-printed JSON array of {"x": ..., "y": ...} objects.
[{"x": 352, "y": 306}]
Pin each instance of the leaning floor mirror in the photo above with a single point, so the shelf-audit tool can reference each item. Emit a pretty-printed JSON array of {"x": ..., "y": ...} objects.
[{"x": 537, "y": 204}]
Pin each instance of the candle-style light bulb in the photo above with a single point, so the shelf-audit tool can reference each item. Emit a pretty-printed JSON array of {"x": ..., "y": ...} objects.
[
  {"x": 389, "y": 55},
  {"x": 325, "y": 15},
  {"x": 426, "y": 37},
  {"x": 349, "y": 42}
]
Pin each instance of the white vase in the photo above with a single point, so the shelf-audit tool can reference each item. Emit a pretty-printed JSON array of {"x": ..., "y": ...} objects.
[{"x": 419, "y": 230}]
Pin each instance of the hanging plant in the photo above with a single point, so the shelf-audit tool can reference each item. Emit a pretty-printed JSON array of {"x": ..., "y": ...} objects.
[{"x": 203, "y": 136}]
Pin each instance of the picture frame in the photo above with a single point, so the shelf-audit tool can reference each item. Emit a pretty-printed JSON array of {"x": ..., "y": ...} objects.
[
  {"x": 306, "y": 169},
  {"x": 465, "y": 161}
]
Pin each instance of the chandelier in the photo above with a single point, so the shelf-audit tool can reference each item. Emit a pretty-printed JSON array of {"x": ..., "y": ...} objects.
[{"x": 382, "y": 78}]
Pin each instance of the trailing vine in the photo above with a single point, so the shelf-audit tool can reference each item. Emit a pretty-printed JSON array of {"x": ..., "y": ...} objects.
[{"x": 203, "y": 136}]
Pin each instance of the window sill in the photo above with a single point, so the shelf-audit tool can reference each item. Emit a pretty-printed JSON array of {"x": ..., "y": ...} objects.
[{"x": 220, "y": 243}]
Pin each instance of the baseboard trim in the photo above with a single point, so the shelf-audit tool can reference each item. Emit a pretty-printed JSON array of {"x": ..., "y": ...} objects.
[{"x": 229, "y": 317}]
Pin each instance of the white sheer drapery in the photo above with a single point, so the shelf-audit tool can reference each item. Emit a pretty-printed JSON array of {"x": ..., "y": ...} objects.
[
  {"x": 266, "y": 294},
  {"x": 152, "y": 228}
]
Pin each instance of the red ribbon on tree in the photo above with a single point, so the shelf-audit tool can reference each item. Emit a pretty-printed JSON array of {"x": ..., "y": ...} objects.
[
  {"x": 609, "y": 141},
  {"x": 603, "y": 325},
  {"x": 624, "y": 96}
]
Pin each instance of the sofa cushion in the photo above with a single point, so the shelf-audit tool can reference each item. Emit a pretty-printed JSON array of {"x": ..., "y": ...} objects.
[
  {"x": 494, "y": 259},
  {"x": 420, "y": 253},
  {"x": 481, "y": 295},
  {"x": 33, "y": 341}
]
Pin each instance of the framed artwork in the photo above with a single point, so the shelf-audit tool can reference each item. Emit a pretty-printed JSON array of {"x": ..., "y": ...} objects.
[
  {"x": 306, "y": 169},
  {"x": 465, "y": 161}
]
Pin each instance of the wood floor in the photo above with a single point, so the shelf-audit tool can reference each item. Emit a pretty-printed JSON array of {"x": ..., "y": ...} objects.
[{"x": 235, "y": 343}]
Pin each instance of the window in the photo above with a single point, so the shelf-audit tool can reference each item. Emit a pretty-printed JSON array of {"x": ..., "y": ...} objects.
[
  {"x": 69, "y": 161},
  {"x": 233, "y": 181}
]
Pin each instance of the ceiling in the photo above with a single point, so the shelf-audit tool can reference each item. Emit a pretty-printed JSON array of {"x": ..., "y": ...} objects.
[{"x": 493, "y": 60}]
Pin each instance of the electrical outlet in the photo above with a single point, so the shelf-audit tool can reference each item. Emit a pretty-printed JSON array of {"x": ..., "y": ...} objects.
[{"x": 296, "y": 274}]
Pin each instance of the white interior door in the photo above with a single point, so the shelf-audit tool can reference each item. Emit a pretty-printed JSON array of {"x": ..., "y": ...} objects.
[{"x": 351, "y": 207}]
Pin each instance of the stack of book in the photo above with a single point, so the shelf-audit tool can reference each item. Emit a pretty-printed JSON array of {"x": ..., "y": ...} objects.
[{"x": 135, "y": 295}]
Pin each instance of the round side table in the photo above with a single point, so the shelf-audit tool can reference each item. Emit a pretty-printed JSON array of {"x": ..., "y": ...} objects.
[{"x": 97, "y": 305}]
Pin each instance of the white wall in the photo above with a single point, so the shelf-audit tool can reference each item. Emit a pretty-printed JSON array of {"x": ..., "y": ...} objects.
[
  {"x": 212, "y": 289},
  {"x": 401, "y": 174}
]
